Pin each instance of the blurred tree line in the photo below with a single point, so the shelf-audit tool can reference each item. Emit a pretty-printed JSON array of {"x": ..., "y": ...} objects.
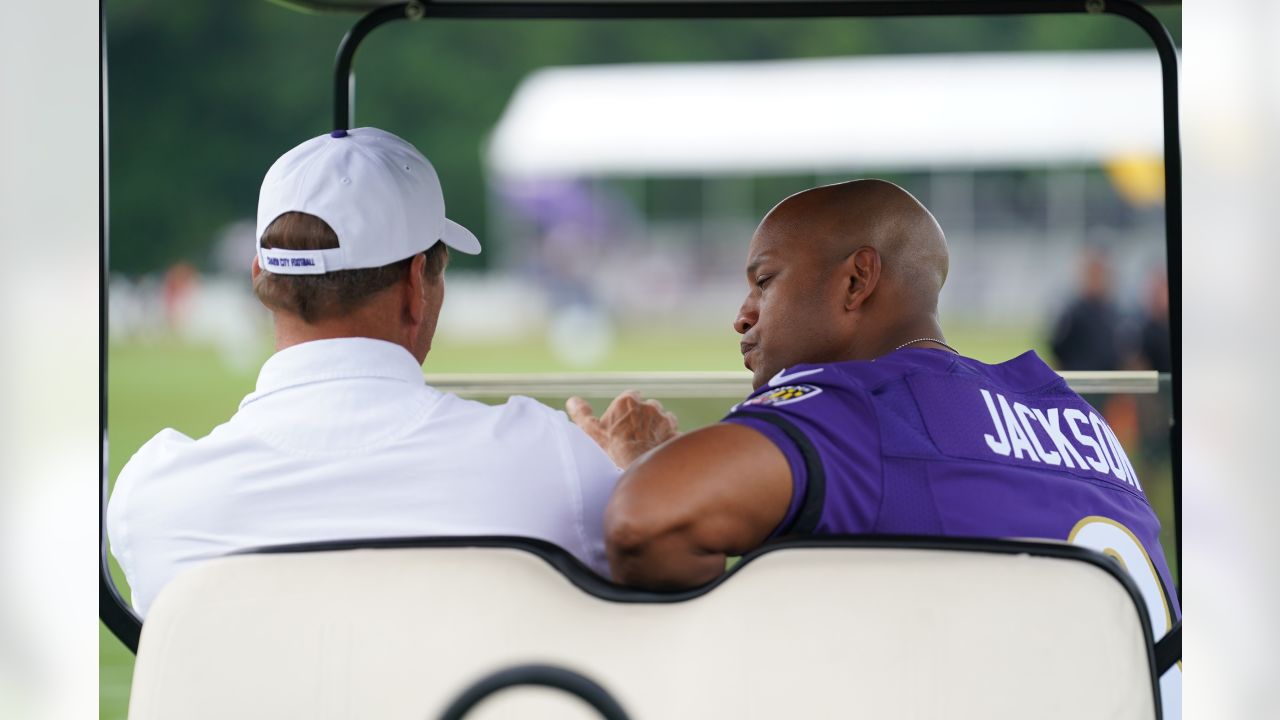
[{"x": 203, "y": 96}]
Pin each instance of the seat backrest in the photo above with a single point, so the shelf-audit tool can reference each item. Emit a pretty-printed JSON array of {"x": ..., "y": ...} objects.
[{"x": 852, "y": 628}]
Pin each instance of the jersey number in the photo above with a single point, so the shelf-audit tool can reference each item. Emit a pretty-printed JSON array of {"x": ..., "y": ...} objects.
[{"x": 1119, "y": 543}]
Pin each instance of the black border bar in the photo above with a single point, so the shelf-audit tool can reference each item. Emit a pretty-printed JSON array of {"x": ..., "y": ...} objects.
[
  {"x": 112, "y": 609},
  {"x": 1168, "y": 52}
]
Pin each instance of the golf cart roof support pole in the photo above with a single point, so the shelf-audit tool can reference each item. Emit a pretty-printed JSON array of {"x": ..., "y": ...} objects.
[
  {"x": 343, "y": 79},
  {"x": 1168, "y": 51},
  {"x": 112, "y": 609}
]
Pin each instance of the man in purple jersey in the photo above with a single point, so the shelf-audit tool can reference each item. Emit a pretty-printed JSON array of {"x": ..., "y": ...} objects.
[{"x": 864, "y": 420}]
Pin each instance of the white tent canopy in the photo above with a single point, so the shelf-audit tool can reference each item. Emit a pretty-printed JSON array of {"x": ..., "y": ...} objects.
[{"x": 898, "y": 112}]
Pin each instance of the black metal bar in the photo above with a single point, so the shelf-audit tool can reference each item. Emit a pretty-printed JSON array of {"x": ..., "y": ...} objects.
[
  {"x": 112, "y": 609},
  {"x": 343, "y": 111},
  {"x": 344, "y": 115},
  {"x": 549, "y": 676},
  {"x": 1168, "y": 52},
  {"x": 1169, "y": 650}
]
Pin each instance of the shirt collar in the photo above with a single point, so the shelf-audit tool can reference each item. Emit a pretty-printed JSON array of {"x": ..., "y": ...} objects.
[{"x": 335, "y": 359}]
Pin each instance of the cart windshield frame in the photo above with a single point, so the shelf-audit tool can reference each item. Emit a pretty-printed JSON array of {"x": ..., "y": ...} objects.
[{"x": 126, "y": 625}]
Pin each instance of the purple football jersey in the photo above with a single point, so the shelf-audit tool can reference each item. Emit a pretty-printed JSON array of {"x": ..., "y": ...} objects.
[{"x": 925, "y": 442}]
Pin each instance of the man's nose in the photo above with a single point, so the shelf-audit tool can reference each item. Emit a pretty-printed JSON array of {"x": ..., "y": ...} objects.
[{"x": 746, "y": 317}]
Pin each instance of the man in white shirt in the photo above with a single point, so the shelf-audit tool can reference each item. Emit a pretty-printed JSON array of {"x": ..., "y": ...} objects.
[{"x": 342, "y": 438}]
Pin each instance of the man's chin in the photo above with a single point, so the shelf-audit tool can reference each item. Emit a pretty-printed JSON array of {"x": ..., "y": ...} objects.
[{"x": 759, "y": 378}]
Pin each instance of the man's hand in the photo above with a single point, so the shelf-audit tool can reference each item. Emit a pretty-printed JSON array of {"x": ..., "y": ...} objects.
[{"x": 629, "y": 428}]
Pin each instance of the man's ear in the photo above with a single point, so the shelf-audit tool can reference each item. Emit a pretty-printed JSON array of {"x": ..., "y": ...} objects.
[
  {"x": 254, "y": 269},
  {"x": 415, "y": 290},
  {"x": 862, "y": 268}
]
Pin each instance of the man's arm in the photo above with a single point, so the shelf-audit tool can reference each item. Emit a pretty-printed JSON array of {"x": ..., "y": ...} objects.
[{"x": 680, "y": 510}]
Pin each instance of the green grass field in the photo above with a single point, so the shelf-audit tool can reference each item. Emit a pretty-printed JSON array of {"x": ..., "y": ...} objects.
[{"x": 167, "y": 384}]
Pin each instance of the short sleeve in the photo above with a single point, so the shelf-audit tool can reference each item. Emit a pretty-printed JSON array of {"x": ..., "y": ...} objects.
[
  {"x": 769, "y": 425},
  {"x": 597, "y": 476},
  {"x": 128, "y": 516},
  {"x": 826, "y": 429}
]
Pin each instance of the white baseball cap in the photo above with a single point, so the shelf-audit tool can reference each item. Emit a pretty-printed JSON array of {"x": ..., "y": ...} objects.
[{"x": 379, "y": 194}]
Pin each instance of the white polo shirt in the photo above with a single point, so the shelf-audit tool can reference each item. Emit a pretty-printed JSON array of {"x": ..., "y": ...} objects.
[{"x": 343, "y": 439}]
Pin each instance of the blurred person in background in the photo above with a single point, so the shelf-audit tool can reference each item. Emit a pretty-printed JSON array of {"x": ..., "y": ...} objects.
[
  {"x": 864, "y": 420},
  {"x": 1086, "y": 336},
  {"x": 178, "y": 288},
  {"x": 1090, "y": 334},
  {"x": 1153, "y": 351},
  {"x": 342, "y": 438},
  {"x": 1155, "y": 348}
]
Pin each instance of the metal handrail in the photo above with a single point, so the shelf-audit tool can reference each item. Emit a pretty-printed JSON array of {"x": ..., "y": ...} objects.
[{"x": 733, "y": 384}]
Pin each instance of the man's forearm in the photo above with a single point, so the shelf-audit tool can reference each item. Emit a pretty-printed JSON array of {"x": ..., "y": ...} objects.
[{"x": 678, "y": 511}]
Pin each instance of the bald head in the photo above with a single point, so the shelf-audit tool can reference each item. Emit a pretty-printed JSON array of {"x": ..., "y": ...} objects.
[
  {"x": 841, "y": 272},
  {"x": 834, "y": 221}
]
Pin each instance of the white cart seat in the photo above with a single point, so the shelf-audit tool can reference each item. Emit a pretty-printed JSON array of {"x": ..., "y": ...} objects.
[{"x": 840, "y": 628}]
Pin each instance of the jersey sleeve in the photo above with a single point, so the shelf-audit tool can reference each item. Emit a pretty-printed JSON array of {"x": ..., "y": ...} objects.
[{"x": 826, "y": 429}]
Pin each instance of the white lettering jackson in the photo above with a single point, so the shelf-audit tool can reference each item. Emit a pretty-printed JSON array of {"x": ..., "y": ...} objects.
[
  {"x": 1015, "y": 434},
  {"x": 1108, "y": 452},
  {"x": 1017, "y": 438},
  {"x": 1001, "y": 446},
  {"x": 1051, "y": 457},
  {"x": 1073, "y": 418},
  {"x": 1049, "y": 420},
  {"x": 1125, "y": 468},
  {"x": 1128, "y": 464}
]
